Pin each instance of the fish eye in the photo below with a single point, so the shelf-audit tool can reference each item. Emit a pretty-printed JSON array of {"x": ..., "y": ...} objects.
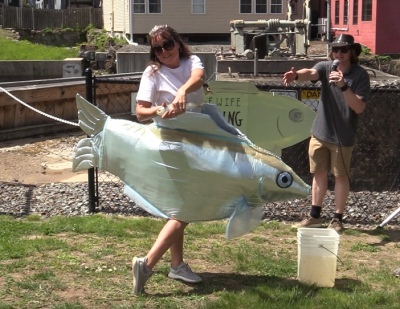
[
  {"x": 284, "y": 180},
  {"x": 296, "y": 115}
]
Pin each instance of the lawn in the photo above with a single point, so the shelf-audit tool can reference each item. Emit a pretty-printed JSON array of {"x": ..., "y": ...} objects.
[
  {"x": 85, "y": 262},
  {"x": 12, "y": 49}
]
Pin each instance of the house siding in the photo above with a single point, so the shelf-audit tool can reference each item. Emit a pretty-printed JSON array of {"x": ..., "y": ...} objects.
[
  {"x": 387, "y": 30},
  {"x": 116, "y": 15},
  {"x": 178, "y": 14},
  {"x": 380, "y": 34}
]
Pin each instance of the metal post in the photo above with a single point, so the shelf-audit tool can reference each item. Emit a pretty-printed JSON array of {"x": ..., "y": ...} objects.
[
  {"x": 255, "y": 62},
  {"x": 328, "y": 26},
  {"x": 91, "y": 184}
]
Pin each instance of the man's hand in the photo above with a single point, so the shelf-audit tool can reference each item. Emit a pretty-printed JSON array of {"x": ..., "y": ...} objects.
[{"x": 289, "y": 76}]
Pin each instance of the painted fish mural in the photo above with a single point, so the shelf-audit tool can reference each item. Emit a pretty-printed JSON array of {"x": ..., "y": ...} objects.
[
  {"x": 269, "y": 120},
  {"x": 196, "y": 167}
]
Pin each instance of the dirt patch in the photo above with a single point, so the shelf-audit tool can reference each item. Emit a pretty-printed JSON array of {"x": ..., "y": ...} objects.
[{"x": 44, "y": 159}]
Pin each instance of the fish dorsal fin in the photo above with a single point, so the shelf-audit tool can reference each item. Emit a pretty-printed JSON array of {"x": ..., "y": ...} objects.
[
  {"x": 91, "y": 118},
  {"x": 237, "y": 87}
]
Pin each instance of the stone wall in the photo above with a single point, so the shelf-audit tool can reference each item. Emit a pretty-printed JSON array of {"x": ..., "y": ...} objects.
[{"x": 52, "y": 38}]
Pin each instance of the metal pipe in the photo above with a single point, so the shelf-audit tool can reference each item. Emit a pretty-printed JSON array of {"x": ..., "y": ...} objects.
[
  {"x": 91, "y": 184},
  {"x": 272, "y": 23}
]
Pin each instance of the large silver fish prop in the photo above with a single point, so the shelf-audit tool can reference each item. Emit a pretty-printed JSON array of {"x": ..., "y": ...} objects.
[{"x": 187, "y": 168}]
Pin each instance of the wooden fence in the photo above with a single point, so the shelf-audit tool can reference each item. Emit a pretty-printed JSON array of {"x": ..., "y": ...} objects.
[
  {"x": 57, "y": 98},
  {"x": 38, "y": 19}
]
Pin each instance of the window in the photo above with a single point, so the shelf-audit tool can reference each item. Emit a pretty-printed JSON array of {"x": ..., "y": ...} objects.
[
  {"x": 138, "y": 6},
  {"x": 276, "y": 6},
  {"x": 366, "y": 14},
  {"x": 245, "y": 6},
  {"x": 346, "y": 12},
  {"x": 261, "y": 6},
  {"x": 355, "y": 12},
  {"x": 336, "y": 12},
  {"x": 198, "y": 6},
  {"x": 154, "y": 6}
]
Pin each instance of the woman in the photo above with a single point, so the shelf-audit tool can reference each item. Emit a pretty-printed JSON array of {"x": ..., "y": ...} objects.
[{"x": 174, "y": 77}]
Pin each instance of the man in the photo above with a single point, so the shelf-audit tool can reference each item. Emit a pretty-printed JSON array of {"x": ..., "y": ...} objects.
[{"x": 345, "y": 89}]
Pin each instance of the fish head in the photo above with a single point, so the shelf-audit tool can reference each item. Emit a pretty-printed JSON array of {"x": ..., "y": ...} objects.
[{"x": 279, "y": 182}]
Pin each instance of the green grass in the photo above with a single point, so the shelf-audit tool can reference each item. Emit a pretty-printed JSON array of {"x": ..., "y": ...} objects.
[
  {"x": 25, "y": 50},
  {"x": 85, "y": 262}
]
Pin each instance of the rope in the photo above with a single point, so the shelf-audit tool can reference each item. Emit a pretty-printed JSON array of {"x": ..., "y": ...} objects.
[{"x": 38, "y": 111}]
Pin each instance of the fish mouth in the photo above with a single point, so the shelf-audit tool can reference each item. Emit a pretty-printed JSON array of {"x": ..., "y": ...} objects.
[{"x": 277, "y": 127}]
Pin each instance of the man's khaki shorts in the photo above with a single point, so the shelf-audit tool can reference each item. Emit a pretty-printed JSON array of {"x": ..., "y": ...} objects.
[{"x": 325, "y": 157}]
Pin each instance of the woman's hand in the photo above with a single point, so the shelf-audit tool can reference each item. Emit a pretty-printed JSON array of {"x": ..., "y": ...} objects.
[
  {"x": 177, "y": 107},
  {"x": 179, "y": 103}
]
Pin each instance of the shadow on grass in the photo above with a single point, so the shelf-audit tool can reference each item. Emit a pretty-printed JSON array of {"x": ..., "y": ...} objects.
[
  {"x": 387, "y": 236},
  {"x": 217, "y": 282}
]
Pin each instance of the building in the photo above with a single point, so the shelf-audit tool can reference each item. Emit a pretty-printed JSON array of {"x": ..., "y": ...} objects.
[
  {"x": 371, "y": 22},
  {"x": 197, "y": 19}
]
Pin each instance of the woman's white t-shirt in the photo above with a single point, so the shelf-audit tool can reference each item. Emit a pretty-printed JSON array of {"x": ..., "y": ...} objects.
[{"x": 162, "y": 85}]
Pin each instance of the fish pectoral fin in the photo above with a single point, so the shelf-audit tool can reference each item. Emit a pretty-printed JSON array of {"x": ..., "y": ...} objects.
[
  {"x": 190, "y": 106},
  {"x": 85, "y": 156},
  {"x": 91, "y": 118},
  {"x": 243, "y": 220}
]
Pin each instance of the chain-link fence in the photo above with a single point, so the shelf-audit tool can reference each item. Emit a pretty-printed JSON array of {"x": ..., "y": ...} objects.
[{"x": 375, "y": 163}]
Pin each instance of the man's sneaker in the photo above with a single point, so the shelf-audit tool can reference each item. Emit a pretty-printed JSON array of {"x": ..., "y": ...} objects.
[
  {"x": 184, "y": 273},
  {"x": 336, "y": 225},
  {"x": 308, "y": 222},
  {"x": 140, "y": 274}
]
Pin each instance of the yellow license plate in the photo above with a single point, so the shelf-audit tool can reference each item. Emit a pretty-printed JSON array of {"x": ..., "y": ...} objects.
[{"x": 310, "y": 94}]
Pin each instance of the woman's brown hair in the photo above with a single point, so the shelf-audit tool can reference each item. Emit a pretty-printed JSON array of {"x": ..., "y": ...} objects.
[{"x": 167, "y": 33}]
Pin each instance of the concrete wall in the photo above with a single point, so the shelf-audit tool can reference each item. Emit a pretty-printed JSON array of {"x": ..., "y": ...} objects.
[
  {"x": 22, "y": 70},
  {"x": 137, "y": 62}
]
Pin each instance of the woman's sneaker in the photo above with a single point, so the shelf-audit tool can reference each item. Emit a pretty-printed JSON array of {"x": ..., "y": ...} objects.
[
  {"x": 309, "y": 222},
  {"x": 184, "y": 273},
  {"x": 140, "y": 274}
]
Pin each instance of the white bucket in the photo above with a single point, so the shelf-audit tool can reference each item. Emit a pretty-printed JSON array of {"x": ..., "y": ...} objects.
[{"x": 317, "y": 256}]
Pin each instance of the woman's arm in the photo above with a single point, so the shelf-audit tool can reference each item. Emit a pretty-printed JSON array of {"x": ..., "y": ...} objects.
[
  {"x": 145, "y": 110},
  {"x": 195, "y": 82}
]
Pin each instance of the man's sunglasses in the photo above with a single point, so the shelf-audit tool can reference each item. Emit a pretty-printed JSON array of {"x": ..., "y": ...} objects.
[
  {"x": 167, "y": 45},
  {"x": 343, "y": 49}
]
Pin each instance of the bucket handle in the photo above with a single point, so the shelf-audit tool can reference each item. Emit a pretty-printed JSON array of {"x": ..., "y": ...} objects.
[{"x": 322, "y": 246}]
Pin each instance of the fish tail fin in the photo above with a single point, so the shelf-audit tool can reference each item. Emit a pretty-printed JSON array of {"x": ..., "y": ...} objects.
[
  {"x": 85, "y": 156},
  {"x": 243, "y": 220},
  {"x": 91, "y": 118}
]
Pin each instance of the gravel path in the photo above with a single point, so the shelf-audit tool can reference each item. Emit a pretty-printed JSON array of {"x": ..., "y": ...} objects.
[{"x": 365, "y": 209}]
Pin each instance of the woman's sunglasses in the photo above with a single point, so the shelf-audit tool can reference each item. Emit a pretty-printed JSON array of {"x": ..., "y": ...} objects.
[
  {"x": 343, "y": 49},
  {"x": 167, "y": 45}
]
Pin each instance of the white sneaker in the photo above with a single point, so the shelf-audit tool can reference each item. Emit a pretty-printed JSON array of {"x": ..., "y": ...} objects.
[
  {"x": 140, "y": 274},
  {"x": 184, "y": 273}
]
